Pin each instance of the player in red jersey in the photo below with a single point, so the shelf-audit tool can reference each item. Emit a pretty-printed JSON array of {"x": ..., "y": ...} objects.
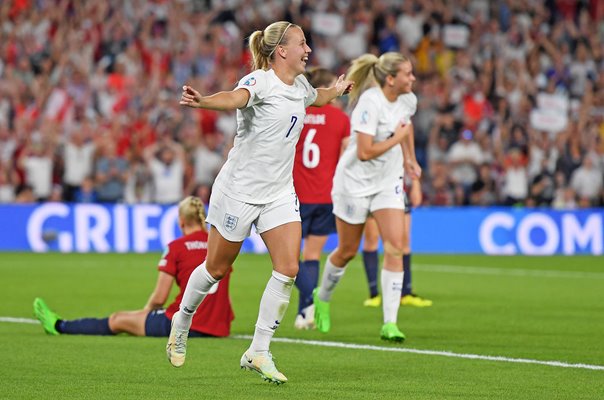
[
  {"x": 325, "y": 133},
  {"x": 181, "y": 257}
]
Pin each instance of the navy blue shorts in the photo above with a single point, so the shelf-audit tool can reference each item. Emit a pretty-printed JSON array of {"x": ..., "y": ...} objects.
[
  {"x": 317, "y": 219},
  {"x": 158, "y": 325}
]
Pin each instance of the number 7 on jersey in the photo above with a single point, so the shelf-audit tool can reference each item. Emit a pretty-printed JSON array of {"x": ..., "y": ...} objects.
[{"x": 293, "y": 122}]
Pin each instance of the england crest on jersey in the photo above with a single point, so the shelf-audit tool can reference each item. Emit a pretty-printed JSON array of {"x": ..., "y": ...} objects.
[{"x": 230, "y": 222}]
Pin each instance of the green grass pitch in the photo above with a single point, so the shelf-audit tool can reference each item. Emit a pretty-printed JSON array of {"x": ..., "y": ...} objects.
[{"x": 534, "y": 308}]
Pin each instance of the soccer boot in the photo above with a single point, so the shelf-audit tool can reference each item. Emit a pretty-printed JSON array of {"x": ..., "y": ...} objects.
[
  {"x": 263, "y": 364},
  {"x": 390, "y": 332},
  {"x": 414, "y": 300},
  {"x": 176, "y": 349},
  {"x": 322, "y": 318},
  {"x": 47, "y": 317},
  {"x": 374, "y": 302},
  {"x": 306, "y": 320}
]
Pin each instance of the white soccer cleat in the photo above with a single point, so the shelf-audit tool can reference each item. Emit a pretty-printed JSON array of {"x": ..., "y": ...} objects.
[
  {"x": 176, "y": 349},
  {"x": 264, "y": 365},
  {"x": 306, "y": 320}
]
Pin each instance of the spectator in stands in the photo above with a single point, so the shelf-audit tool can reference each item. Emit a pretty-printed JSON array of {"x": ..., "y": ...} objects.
[
  {"x": 587, "y": 183},
  {"x": 463, "y": 157},
  {"x": 166, "y": 162},
  {"x": 139, "y": 186},
  {"x": 78, "y": 158},
  {"x": 111, "y": 173},
  {"x": 571, "y": 156},
  {"x": 484, "y": 190},
  {"x": 351, "y": 43},
  {"x": 36, "y": 160},
  {"x": 542, "y": 188},
  {"x": 440, "y": 190},
  {"x": 207, "y": 158},
  {"x": 565, "y": 199},
  {"x": 86, "y": 192},
  {"x": 515, "y": 179}
]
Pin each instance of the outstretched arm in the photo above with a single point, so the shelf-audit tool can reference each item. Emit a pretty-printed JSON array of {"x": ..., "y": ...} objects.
[
  {"x": 160, "y": 293},
  {"x": 220, "y": 101},
  {"x": 325, "y": 95}
]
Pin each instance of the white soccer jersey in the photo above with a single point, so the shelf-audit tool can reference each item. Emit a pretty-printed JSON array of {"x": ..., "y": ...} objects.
[
  {"x": 373, "y": 115},
  {"x": 259, "y": 166}
]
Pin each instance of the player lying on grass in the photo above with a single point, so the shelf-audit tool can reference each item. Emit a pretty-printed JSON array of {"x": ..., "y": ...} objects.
[{"x": 182, "y": 256}]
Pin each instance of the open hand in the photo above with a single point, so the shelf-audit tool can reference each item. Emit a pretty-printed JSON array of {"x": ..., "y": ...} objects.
[
  {"x": 343, "y": 86},
  {"x": 190, "y": 97}
]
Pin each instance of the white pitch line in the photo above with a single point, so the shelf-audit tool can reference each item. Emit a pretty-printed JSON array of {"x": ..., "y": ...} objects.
[
  {"x": 19, "y": 320},
  {"x": 388, "y": 349},
  {"x": 463, "y": 269},
  {"x": 430, "y": 353}
]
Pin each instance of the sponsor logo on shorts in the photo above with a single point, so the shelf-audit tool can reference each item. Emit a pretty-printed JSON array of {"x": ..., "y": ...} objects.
[
  {"x": 230, "y": 222},
  {"x": 349, "y": 210}
]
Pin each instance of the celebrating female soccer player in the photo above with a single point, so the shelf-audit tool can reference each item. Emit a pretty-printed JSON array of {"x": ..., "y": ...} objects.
[
  {"x": 325, "y": 134},
  {"x": 368, "y": 179},
  {"x": 177, "y": 263},
  {"x": 255, "y": 186}
]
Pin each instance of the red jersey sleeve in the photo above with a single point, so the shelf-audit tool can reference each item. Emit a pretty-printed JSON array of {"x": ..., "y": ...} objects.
[
  {"x": 167, "y": 263},
  {"x": 345, "y": 126}
]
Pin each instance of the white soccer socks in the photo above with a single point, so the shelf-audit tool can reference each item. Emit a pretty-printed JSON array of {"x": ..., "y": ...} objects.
[
  {"x": 392, "y": 285},
  {"x": 331, "y": 277},
  {"x": 273, "y": 305},
  {"x": 197, "y": 288}
]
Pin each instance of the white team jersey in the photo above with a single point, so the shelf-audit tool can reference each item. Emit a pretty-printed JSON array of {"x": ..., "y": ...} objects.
[
  {"x": 259, "y": 166},
  {"x": 373, "y": 115}
]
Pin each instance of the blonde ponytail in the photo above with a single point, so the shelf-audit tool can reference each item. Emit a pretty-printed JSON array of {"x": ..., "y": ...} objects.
[
  {"x": 367, "y": 70},
  {"x": 361, "y": 73}
]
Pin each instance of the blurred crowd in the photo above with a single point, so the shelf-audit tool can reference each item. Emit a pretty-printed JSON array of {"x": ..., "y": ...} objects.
[{"x": 511, "y": 93}]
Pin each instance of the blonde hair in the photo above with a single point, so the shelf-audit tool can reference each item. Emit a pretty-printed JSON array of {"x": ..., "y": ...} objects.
[
  {"x": 264, "y": 43},
  {"x": 192, "y": 211},
  {"x": 319, "y": 77},
  {"x": 367, "y": 70}
]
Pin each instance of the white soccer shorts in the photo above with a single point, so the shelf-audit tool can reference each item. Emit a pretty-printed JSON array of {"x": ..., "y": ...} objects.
[
  {"x": 234, "y": 218},
  {"x": 356, "y": 210}
]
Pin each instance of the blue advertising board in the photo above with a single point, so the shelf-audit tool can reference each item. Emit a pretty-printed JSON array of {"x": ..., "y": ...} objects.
[{"x": 147, "y": 227}]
